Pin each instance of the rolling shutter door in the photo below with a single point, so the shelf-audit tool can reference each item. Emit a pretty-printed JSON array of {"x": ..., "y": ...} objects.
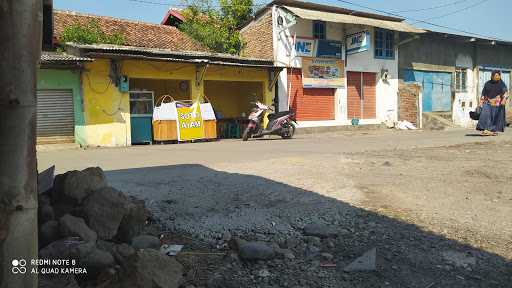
[
  {"x": 370, "y": 98},
  {"x": 361, "y": 95},
  {"x": 354, "y": 95},
  {"x": 55, "y": 115},
  {"x": 310, "y": 104}
]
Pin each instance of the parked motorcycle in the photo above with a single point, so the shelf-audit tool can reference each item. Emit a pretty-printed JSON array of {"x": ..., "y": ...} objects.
[{"x": 280, "y": 123}]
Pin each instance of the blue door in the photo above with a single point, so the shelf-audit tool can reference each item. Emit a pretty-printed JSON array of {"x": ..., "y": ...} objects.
[
  {"x": 141, "y": 114},
  {"x": 437, "y": 91}
]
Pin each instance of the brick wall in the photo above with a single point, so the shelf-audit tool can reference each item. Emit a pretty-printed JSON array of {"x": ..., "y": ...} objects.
[
  {"x": 258, "y": 38},
  {"x": 408, "y": 95},
  {"x": 309, "y": 104}
]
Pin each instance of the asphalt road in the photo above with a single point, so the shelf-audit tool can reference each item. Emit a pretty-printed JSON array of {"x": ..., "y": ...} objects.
[
  {"x": 436, "y": 204},
  {"x": 229, "y": 151}
]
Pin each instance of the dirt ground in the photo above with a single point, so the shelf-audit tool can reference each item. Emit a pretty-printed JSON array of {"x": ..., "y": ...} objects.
[
  {"x": 436, "y": 205},
  {"x": 463, "y": 192}
]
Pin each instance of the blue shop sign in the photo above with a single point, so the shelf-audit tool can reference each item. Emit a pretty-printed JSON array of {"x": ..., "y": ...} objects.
[
  {"x": 329, "y": 49},
  {"x": 358, "y": 42}
]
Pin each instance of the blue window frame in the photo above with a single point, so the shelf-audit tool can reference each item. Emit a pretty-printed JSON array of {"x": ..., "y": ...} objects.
[
  {"x": 384, "y": 44},
  {"x": 319, "y": 30}
]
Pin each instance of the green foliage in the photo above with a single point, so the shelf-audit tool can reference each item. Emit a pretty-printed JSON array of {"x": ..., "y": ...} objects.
[
  {"x": 90, "y": 33},
  {"x": 217, "y": 28}
]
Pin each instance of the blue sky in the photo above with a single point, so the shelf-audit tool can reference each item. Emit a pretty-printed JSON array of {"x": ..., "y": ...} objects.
[{"x": 488, "y": 17}]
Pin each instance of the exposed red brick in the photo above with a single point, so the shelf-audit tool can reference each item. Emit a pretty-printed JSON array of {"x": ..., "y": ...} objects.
[
  {"x": 408, "y": 94},
  {"x": 258, "y": 38}
]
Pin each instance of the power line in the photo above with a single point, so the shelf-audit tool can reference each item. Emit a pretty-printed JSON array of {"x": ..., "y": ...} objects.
[
  {"x": 419, "y": 21},
  {"x": 186, "y": 5},
  {"x": 431, "y": 8},
  {"x": 457, "y": 11}
]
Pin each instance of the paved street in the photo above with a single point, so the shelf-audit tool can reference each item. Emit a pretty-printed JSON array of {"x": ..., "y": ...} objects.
[{"x": 452, "y": 186}]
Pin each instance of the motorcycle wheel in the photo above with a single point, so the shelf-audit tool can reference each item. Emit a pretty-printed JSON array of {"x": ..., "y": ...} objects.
[
  {"x": 288, "y": 131},
  {"x": 247, "y": 134}
]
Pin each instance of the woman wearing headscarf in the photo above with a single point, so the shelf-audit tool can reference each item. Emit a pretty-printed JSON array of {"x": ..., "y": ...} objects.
[{"x": 493, "y": 101}]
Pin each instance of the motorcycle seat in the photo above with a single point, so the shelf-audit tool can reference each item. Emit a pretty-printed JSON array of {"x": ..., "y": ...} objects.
[{"x": 278, "y": 115}]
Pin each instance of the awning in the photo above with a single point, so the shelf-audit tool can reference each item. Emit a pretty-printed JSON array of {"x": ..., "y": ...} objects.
[{"x": 351, "y": 19}]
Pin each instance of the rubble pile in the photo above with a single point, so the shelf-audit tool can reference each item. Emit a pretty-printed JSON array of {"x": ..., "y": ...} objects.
[{"x": 104, "y": 235}]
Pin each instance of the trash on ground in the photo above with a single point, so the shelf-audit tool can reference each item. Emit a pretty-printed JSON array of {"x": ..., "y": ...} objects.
[
  {"x": 171, "y": 250},
  {"x": 367, "y": 262}
]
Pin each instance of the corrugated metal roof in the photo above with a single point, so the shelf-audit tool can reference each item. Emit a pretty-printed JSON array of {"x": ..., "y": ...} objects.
[
  {"x": 163, "y": 54},
  {"x": 351, "y": 19},
  {"x": 56, "y": 57},
  {"x": 333, "y": 9}
]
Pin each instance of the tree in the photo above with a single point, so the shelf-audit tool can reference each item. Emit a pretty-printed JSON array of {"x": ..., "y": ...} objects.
[
  {"x": 90, "y": 33},
  {"x": 216, "y": 27}
]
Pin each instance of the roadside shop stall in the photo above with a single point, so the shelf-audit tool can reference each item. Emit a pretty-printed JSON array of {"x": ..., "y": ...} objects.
[{"x": 183, "y": 120}]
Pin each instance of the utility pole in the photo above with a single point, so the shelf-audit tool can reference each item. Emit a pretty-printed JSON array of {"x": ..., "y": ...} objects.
[{"x": 20, "y": 27}]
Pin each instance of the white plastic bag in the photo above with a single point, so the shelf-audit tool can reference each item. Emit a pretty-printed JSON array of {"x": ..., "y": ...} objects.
[
  {"x": 166, "y": 111},
  {"x": 207, "y": 112}
]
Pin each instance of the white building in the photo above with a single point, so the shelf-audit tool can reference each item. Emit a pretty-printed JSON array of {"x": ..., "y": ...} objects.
[{"x": 340, "y": 64}]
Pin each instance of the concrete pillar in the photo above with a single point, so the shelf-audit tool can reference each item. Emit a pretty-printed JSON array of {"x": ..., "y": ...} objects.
[{"x": 20, "y": 27}]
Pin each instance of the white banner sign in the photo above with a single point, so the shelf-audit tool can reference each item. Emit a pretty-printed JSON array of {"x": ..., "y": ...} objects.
[
  {"x": 358, "y": 42},
  {"x": 304, "y": 47}
]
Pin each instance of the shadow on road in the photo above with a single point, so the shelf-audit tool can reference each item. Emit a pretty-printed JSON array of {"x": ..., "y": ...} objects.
[{"x": 203, "y": 202}]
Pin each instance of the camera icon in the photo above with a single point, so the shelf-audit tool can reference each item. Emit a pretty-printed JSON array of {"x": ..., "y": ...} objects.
[{"x": 19, "y": 266}]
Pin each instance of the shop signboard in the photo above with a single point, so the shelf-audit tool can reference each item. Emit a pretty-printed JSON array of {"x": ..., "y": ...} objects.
[
  {"x": 190, "y": 122},
  {"x": 304, "y": 47},
  {"x": 358, "y": 42},
  {"x": 329, "y": 49},
  {"x": 323, "y": 73}
]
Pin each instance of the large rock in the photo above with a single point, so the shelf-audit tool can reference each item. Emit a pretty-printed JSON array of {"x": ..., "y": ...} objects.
[
  {"x": 48, "y": 233},
  {"x": 123, "y": 254},
  {"x": 134, "y": 221},
  {"x": 104, "y": 210},
  {"x": 152, "y": 269},
  {"x": 256, "y": 251},
  {"x": 319, "y": 230},
  {"x": 68, "y": 248},
  {"x": 146, "y": 242},
  {"x": 74, "y": 226},
  {"x": 86, "y": 254},
  {"x": 96, "y": 260},
  {"x": 58, "y": 281},
  {"x": 75, "y": 186},
  {"x": 45, "y": 213}
]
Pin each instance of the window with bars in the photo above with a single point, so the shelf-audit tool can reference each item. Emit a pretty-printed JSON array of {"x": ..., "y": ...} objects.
[
  {"x": 319, "y": 30},
  {"x": 460, "y": 79},
  {"x": 384, "y": 44}
]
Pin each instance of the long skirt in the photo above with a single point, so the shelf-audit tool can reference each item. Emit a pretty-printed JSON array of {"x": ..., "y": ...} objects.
[{"x": 492, "y": 118}]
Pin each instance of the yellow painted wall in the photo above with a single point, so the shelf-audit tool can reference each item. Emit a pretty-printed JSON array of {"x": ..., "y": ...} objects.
[
  {"x": 107, "y": 113},
  {"x": 231, "y": 99},
  {"x": 107, "y": 118},
  {"x": 162, "y": 87}
]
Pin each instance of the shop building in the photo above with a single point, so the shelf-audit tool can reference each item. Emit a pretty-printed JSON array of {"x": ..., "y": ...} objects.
[
  {"x": 119, "y": 114},
  {"x": 59, "y": 99},
  {"x": 451, "y": 70},
  {"x": 115, "y": 88},
  {"x": 340, "y": 65}
]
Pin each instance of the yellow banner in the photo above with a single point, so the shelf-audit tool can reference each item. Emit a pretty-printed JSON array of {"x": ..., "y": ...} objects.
[{"x": 190, "y": 123}]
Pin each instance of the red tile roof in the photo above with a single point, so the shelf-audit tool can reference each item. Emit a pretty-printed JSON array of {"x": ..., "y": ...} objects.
[
  {"x": 172, "y": 13},
  {"x": 139, "y": 34}
]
